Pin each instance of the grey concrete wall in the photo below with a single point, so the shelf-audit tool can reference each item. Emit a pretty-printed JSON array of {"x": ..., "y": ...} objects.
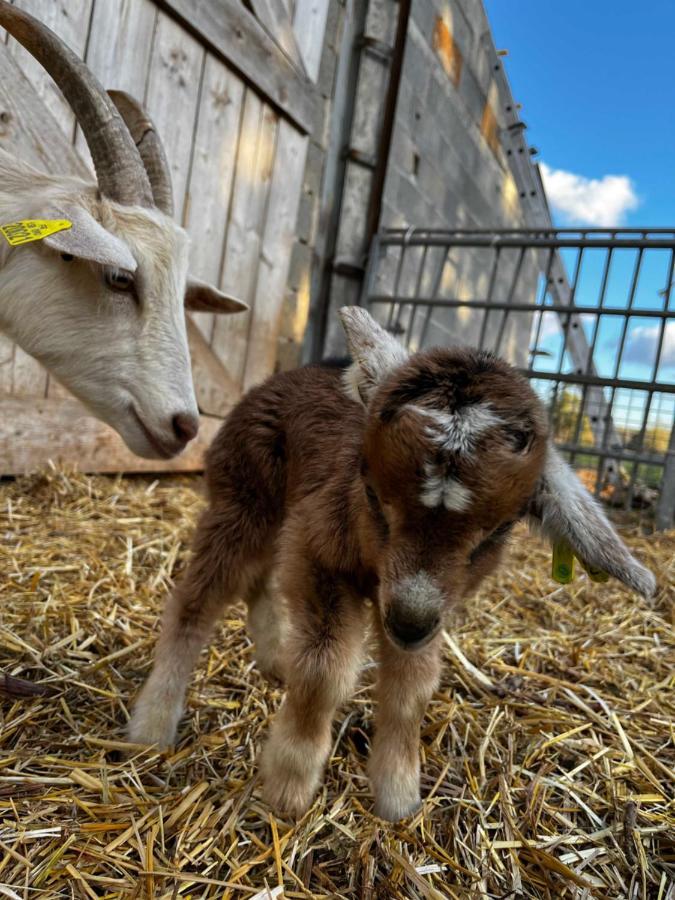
[{"x": 443, "y": 174}]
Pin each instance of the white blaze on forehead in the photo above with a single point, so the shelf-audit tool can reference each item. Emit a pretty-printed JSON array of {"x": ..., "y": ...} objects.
[
  {"x": 444, "y": 490},
  {"x": 456, "y": 432}
]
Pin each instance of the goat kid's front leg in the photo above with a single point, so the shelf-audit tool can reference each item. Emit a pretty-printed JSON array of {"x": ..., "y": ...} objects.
[
  {"x": 406, "y": 683},
  {"x": 323, "y": 651}
]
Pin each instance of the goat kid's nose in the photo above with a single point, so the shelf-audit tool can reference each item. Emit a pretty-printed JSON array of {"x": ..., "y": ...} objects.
[
  {"x": 185, "y": 426},
  {"x": 411, "y": 632}
]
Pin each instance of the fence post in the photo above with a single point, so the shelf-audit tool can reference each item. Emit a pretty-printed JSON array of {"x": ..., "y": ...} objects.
[{"x": 665, "y": 509}]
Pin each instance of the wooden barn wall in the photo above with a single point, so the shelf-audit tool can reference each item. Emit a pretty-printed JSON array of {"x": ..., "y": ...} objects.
[
  {"x": 240, "y": 172},
  {"x": 449, "y": 163}
]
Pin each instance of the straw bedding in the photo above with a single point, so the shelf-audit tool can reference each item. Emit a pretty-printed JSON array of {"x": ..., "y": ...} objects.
[{"x": 548, "y": 752}]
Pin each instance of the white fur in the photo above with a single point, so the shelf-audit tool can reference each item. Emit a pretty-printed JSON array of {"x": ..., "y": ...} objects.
[
  {"x": 114, "y": 352},
  {"x": 457, "y": 432},
  {"x": 440, "y": 489}
]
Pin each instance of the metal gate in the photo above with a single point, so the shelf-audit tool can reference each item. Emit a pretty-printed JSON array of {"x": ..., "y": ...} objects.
[{"x": 588, "y": 315}]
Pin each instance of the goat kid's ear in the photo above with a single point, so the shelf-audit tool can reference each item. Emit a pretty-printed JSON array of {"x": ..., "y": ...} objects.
[
  {"x": 89, "y": 240},
  {"x": 375, "y": 353},
  {"x": 562, "y": 508},
  {"x": 201, "y": 297}
]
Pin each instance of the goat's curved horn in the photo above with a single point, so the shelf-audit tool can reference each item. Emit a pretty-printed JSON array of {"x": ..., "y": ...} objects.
[
  {"x": 149, "y": 143},
  {"x": 119, "y": 168}
]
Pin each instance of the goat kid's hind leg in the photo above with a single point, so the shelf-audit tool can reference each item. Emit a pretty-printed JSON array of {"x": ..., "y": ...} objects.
[
  {"x": 405, "y": 686},
  {"x": 324, "y": 648},
  {"x": 266, "y": 622},
  {"x": 223, "y": 566}
]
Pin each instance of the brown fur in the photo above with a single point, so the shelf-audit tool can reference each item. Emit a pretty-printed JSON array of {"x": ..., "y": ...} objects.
[{"x": 307, "y": 482}]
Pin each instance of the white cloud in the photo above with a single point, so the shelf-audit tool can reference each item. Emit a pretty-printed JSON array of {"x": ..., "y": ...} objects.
[
  {"x": 550, "y": 326},
  {"x": 642, "y": 342},
  {"x": 589, "y": 201}
]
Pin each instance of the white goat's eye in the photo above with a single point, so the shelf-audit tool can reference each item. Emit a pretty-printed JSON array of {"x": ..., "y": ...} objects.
[{"x": 119, "y": 280}]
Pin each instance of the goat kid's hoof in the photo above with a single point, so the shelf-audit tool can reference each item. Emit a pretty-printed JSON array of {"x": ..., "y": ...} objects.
[
  {"x": 288, "y": 784},
  {"x": 393, "y": 806},
  {"x": 288, "y": 796},
  {"x": 153, "y": 727}
]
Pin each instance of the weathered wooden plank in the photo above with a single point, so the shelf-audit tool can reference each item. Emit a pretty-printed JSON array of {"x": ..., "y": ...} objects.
[
  {"x": 273, "y": 16},
  {"x": 241, "y": 260},
  {"x": 230, "y": 31},
  {"x": 119, "y": 48},
  {"x": 309, "y": 23},
  {"x": 212, "y": 175},
  {"x": 216, "y": 391},
  {"x": 173, "y": 96},
  {"x": 70, "y": 20},
  {"x": 6, "y": 365},
  {"x": 27, "y": 130},
  {"x": 32, "y": 432},
  {"x": 121, "y": 43},
  {"x": 278, "y": 239}
]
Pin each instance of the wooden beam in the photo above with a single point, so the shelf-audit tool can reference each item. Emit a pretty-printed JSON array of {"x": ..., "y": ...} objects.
[
  {"x": 273, "y": 16},
  {"x": 309, "y": 20},
  {"x": 27, "y": 130},
  {"x": 216, "y": 391},
  {"x": 33, "y": 432},
  {"x": 229, "y": 30}
]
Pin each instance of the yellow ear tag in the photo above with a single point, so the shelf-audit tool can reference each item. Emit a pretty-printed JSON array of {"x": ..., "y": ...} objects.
[
  {"x": 17, "y": 233},
  {"x": 562, "y": 569},
  {"x": 594, "y": 573}
]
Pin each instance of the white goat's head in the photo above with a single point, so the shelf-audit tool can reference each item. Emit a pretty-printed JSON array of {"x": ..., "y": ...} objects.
[{"x": 102, "y": 303}]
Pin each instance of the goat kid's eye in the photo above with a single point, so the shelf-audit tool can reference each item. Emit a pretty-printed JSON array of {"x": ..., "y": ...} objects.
[
  {"x": 119, "y": 280},
  {"x": 372, "y": 496},
  {"x": 521, "y": 439},
  {"x": 495, "y": 539}
]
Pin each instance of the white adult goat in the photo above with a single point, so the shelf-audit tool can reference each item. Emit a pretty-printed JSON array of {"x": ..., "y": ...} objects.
[{"x": 101, "y": 305}]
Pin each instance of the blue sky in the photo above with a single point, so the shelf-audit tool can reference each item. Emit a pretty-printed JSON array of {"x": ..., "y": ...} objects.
[{"x": 597, "y": 86}]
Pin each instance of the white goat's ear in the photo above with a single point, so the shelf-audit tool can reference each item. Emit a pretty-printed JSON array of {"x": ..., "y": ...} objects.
[
  {"x": 563, "y": 509},
  {"x": 89, "y": 240},
  {"x": 375, "y": 353},
  {"x": 201, "y": 297}
]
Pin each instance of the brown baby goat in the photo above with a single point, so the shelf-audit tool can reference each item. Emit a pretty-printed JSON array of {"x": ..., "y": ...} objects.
[{"x": 398, "y": 481}]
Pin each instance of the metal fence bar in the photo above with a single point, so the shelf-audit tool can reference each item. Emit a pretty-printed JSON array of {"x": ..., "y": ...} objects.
[
  {"x": 436, "y": 286},
  {"x": 541, "y": 302},
  {"x": 521, "y": 307},
  {"x": 589, "y": 395},
  {"x": 491, "y": 287},
  {"x": 665, "y": 509},
  {"x": 509, "y": 299},
  {"x": 505, "y": 241},
  {"x": 418, "y": 288},
  {"x": 589, "y": 363}
]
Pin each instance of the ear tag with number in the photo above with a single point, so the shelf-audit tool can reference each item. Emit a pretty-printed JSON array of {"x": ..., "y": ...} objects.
[
  {"x": 562, "y": 569},
  {"x": 28, "y": 230}
]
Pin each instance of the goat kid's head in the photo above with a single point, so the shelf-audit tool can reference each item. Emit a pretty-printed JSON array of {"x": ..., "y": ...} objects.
[
  {"x": 101, "y": 304},
  {"x": 456, "y": 450}
]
